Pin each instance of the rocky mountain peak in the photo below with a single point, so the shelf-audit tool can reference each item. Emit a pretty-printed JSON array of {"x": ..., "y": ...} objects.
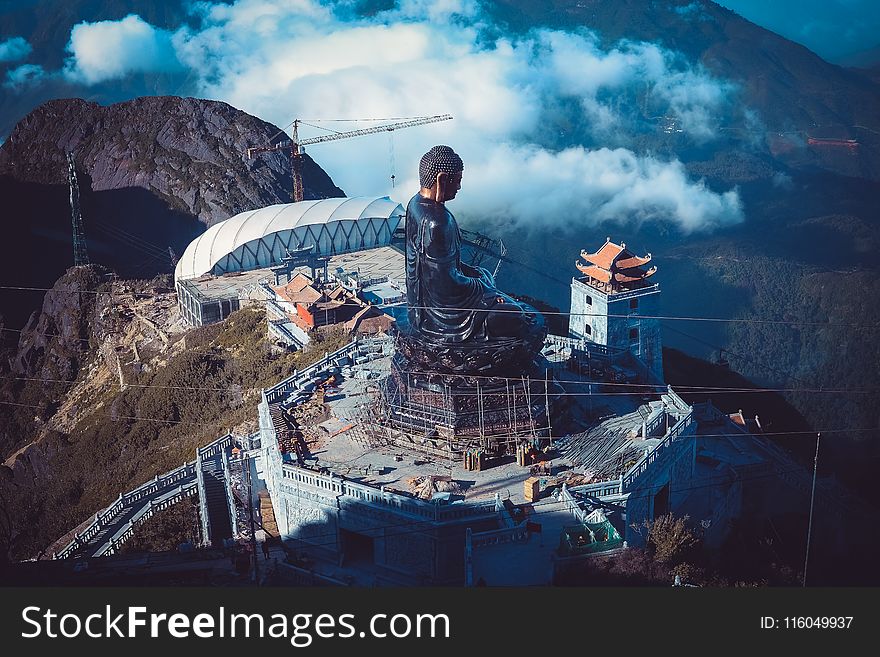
[{"x": 191, "y": 152}]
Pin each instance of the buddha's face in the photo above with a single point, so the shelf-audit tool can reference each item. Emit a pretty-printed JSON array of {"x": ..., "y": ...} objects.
[{"x": 452, "y": 185}]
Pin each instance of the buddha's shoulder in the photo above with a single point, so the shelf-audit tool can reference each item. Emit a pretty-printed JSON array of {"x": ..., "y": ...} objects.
[{"x": 422, "y": 207}]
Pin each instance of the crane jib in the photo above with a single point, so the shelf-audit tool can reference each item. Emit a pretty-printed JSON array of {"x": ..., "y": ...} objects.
[{"x": 295, "y": 145}]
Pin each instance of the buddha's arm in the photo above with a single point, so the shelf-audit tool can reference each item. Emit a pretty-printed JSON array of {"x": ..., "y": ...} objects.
[{"x": 444, "y": 260}]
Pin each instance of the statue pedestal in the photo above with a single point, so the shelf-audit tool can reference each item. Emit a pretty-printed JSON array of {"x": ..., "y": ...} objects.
[{"x": 485, "y": 394}]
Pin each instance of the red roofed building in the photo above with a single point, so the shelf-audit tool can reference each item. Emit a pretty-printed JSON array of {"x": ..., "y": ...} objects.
[
  {"x": 613, "y": 268},
  {"x": 614, "y": 303},
  {"x": 310, "y": 307}
]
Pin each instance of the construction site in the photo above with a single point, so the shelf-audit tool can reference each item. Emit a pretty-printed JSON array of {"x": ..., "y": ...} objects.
[{"x": 373, "y": 466}]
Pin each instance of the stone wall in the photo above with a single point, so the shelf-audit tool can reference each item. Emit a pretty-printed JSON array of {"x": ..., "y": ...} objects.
[{"x": 625, "y": 320}]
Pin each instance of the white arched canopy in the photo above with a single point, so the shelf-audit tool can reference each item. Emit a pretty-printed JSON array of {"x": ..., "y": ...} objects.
[{"x": 260, "y": 238}]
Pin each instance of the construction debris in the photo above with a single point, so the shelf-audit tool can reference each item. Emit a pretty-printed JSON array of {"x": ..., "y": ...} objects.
[{"x": 425, "y": 487}]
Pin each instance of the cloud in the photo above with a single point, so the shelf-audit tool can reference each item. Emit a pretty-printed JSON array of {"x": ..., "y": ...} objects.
[
  {"x": 576, "y": 187},
  {"x": 24, "y": 76},
  {"x": 14, "y": 49},
  {"x": 549, "y": 123},
  {"x": 532, "y": 113},
  {"x": 109, "y": 50}
]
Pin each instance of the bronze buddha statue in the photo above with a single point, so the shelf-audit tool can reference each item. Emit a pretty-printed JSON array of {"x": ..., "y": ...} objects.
[{"x": 450, "y": 301}]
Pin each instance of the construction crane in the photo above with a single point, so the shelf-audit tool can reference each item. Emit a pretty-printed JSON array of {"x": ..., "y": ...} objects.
[{"x": 295, "y": 145}]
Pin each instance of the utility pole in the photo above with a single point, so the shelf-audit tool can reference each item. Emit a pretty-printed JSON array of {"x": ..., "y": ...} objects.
[
  {"x": 812, "y": 500},
  {"x": 547, "y": 405},
  {"x": 80, "y": 255}
]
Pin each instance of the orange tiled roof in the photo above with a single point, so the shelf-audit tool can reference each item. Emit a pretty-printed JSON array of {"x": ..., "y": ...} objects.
[
  {"x": 298, "y": 289},
  {"x": 614, "y": 264},
  {"x": 605, "y": 256},
  {"x": 369, "y": 320},
  {"x": 633, "y": 261},
  {"x": 308, "y": 295},
  {"x": 595, "y": 272},
  {"x": 337, "y": 292},
  {"x": 638, "y": 275}
]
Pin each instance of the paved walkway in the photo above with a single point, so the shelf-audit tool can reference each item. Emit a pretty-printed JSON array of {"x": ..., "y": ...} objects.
[{"x": 527, "y": 563}]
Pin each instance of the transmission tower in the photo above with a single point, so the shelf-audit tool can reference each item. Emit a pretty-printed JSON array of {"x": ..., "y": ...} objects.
[{"x": 80, "y": 255}]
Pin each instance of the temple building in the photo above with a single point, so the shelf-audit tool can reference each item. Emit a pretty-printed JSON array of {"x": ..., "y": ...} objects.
[{"x": 615, "y": 304}]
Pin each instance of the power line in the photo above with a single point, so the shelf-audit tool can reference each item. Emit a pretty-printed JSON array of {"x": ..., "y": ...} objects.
[
  {"x": 687, "y": 318},
  {"x": 701, "y": 435},
  {"x": 565, "y": 393}
]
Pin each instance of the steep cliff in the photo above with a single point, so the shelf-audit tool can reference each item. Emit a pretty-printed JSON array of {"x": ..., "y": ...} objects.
[{"x": 190, "y": 152}]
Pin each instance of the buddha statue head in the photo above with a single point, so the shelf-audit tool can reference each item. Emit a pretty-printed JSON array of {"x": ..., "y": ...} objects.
[{"x": 440, "y": 173}]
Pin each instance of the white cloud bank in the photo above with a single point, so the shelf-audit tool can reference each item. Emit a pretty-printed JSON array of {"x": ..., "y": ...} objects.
[
  {"x": 14, "y": 49},
  {"x": 519, "y": 103},
  {"x": 110, "y": 50}
]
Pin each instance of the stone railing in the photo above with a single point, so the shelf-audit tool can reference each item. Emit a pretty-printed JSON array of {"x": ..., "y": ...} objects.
[
  {"x": 107, "y": 517},
  {"x": 126, "y": 531},
  {"x": 215, "y": 448},
  {"x": 186, "y": 474},
  {"x": 334, "y": 486},
  {"x": 677, "y": 402},
  {"x": 655, "y": 422},
  {"x": 500, "y": 536},
  {"x": 580, "y": 344},
  {"x": 250, "y": 441},
  {"x": 598, "y": 490},
  {"x": 572, "y": 505},
  {"x": 301, "y": 377},
  {"x": 660, "y": 450}
]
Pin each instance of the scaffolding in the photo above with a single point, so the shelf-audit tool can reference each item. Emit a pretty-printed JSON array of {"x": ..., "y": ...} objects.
[{"x": 445, "y": 421}]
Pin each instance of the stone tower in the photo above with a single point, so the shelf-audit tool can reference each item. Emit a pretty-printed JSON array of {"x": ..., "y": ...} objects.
[{"x": 615, "y": 304}]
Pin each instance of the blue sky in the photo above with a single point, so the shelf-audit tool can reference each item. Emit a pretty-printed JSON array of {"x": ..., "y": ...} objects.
[{"x": 833, "y": 29}]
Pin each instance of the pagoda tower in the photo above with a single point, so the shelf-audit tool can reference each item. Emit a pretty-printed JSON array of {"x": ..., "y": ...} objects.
[{"x": 615, "y": 304}]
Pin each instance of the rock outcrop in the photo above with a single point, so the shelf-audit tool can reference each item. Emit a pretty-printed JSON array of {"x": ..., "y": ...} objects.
[{"x": 190, "y": 152}]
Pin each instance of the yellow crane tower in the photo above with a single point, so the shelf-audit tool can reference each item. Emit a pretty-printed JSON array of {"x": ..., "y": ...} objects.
[{"x": 295, "y": 144}]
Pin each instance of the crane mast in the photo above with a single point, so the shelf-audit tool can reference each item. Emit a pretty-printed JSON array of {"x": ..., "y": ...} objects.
[{"x": 295, "y": 145}]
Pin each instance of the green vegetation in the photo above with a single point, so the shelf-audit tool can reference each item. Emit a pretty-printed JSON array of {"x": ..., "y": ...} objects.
[
  {"x": 830, "y": 369},
  {"x": 675, "y": 548},
  {"x": 211, "y": 386},
  {"x": 168, "y": 529}
]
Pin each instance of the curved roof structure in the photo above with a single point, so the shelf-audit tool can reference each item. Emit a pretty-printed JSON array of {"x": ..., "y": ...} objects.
[
  {"x": 259, "y": 238},
  {"x": 614, "y": 265}
]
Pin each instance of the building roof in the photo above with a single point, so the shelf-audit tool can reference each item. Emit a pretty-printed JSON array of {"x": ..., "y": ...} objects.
[
  {"x": 298, "y": 290},
  {"x": 615, "y": 266},
  {"x": 225, "y": 237},
  {"x": 370, "y": 320},
  {"x": 605, "y": 255},
  {"x": 752, "y": 426}
]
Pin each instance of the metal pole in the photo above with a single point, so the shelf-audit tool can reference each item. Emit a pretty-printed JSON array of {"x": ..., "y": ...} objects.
[
  {"x": 812, "y": 500},
  {"x": 246, "y": 463},
  {"x": 547, "y": 405}
]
